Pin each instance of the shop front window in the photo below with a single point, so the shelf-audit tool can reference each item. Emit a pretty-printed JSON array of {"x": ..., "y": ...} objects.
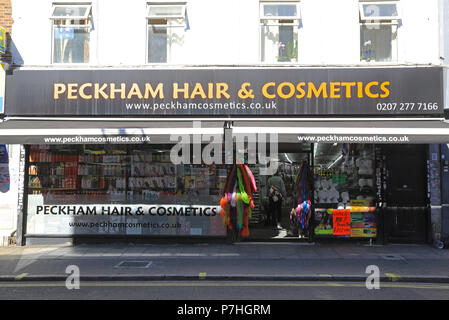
[
  {"x": 120, "y": 190},
  {"x": 345, "y": 178},
  {"x": 165, "y": 33},
  {"x": 279, "y": 25},
  {"x": 71, "y": 33}
]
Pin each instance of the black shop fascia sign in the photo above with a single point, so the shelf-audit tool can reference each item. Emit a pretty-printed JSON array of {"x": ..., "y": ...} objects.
[{"x": 370, "y": 91}]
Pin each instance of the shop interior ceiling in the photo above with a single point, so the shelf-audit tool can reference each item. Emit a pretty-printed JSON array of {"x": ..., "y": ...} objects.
[
  {"x": 327, "y": 154},
  {"x": 293, "y": 157}
]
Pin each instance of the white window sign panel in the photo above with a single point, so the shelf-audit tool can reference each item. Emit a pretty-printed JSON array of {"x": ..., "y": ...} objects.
[
  {"x": 70, "y": 12},
  {"x": 280, "y": 11},
  {"x": 379, "y": 11},
  {"x": 166, "y": 11}
]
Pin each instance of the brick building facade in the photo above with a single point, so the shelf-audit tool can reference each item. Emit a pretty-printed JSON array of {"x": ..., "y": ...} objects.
[{"x": 6, "y": 21}]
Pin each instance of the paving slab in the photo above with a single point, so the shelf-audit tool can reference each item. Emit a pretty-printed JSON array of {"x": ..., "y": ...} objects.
[{"x": 271, "y": 261}]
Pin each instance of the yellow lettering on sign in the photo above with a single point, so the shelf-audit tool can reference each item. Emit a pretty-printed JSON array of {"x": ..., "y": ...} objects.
[
  {"x": 348, "y": 87},
  {"x": 291, "y": 90},
  {"x": 121, "y": 90},
  {"x": 210, "y": 90},
  {"x": 177, "y": 90},
  {"x": 135, "y": 91},
  {"x": 265, "y": 92},
  {"x": 270, "y": 90},
  {"x": 360, "y": 89},
  {"x": 158, "y": 92},
  {"x": 58, "y": 88},
  {"x": 72, "y": 89},
  {"x": 82, "y": 92},
  {"x": 222, "y": 90},
  {"x": 334, "y": 90},
  {"x": 317, "y": 92},
  {"x": 368, "y": 91},
  {"x": 385, "y": 90},
  {"x": 100, "y": 91},
  {"x": 301, "y": 90},
  {"x": 198, "y": 90}
]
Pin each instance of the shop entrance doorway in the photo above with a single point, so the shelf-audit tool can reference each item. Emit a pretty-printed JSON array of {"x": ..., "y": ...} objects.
[
  {"x": 266, "y": 223},
  {"x": 407, "y": 204},
  {"x": 340, "y": 190}
]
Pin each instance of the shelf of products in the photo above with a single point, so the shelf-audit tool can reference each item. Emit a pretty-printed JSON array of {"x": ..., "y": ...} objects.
[
  {"x": 130, "y": 175},
  {"x": 51, "y": 172},
  {"x": 349, "y": 179}
]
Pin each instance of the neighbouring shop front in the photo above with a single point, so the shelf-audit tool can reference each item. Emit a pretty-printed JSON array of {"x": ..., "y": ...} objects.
[{"x": 145, "y": 154}]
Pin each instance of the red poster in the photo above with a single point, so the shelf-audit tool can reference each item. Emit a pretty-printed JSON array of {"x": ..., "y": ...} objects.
[{"x": 342, "y": 222}]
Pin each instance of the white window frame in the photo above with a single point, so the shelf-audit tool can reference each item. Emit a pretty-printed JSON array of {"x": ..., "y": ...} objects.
[
  {"x": 394, "y": 42},
  {"x": 169, "y": 19},
  {"x": 87, "y": 16},
  {"x": 296, "y": 3},
  {"x": 264, "y": 21},
  {"x": 181, "y": 16},
  {"x": 382, "y": 21},
  {"x": 377, "y": 18}
]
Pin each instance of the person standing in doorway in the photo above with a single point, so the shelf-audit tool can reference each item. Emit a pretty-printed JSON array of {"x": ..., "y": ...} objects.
[{"x": 276, "y": 194}]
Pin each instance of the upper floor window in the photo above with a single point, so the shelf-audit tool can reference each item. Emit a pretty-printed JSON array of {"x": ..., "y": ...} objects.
[
  {"x": 279, "y": 24},
  {"x": 379, "y": 31},
  {"x": 165, "y": 32},
  {"x": 71, "y": 33}
]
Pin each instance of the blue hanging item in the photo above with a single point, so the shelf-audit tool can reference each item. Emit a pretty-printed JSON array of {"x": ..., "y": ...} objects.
[
  {"x": 300, "y": 216},
  {"x": 303, "y": 211},
  {"x": 4, "y": 158}
]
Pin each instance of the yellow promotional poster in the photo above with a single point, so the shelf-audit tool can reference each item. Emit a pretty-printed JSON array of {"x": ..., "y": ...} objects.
[
  {"x": 363, "y": 232},
  {"x": 359, "y": 203},
  {"x": 2, "y": 40}
]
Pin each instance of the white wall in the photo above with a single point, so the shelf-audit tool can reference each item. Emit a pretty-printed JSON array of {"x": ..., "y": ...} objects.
[
  {"x": 31, "y": 32},
  {"x": 444, "y": 46},
  {"x": 419, "y": 34},
  {"x": 226, "y": 32},
  {"x": 330, "y": 32}
]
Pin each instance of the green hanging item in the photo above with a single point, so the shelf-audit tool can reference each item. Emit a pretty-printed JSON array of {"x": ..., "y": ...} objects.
[
  {"x": 240, "y": 212},
  {"x": 236, "y": 200},
  {"x": 243, "y": 195}
]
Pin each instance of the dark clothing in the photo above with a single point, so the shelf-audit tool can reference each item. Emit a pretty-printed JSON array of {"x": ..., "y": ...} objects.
[
  {"x": 274, "y": 212},
  {"x": 275, "y": 207}
]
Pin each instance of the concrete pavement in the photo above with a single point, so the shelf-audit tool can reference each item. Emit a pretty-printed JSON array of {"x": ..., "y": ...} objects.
[{"x": 243, "y": 261}]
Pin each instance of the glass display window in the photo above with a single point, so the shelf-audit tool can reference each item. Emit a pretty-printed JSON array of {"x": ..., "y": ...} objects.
[
  {"x": 88, "y": 189},
  {"x": 345, "y": 185}
]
